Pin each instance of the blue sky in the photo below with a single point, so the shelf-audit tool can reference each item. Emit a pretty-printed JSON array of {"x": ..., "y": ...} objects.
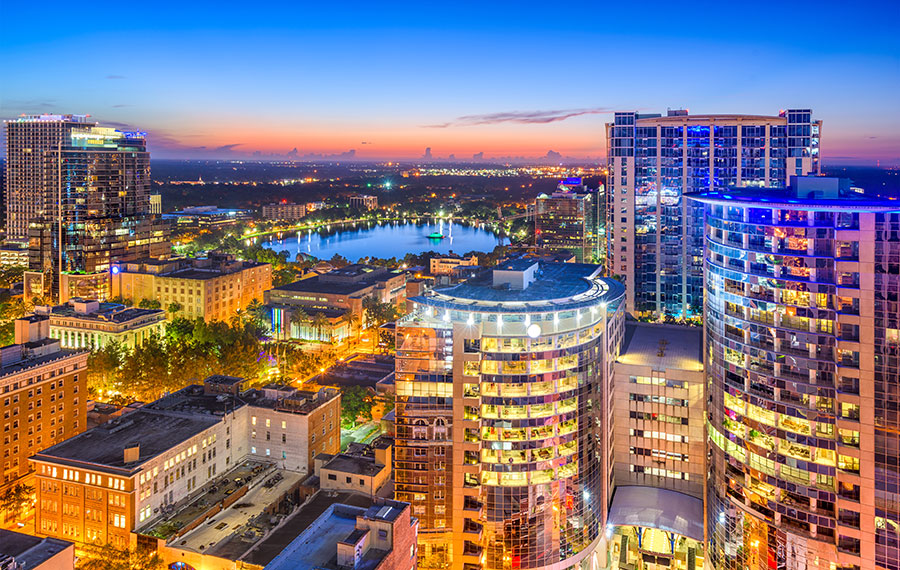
[{"x": 508, "y": 79}]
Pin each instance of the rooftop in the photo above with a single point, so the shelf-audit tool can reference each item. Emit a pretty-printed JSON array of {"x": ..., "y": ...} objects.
[
  {"x": 555, "y": 286},
  {"x": 352, "y": 464},
  {"x": 292, "y": 529},
  {"x": 805, "y": 192},
  {"x": 107, "y": 312},
  {"x": 103, "y": 446},
  {"x": 662, "y": 346},
  {"x": 30, "y": 551}
]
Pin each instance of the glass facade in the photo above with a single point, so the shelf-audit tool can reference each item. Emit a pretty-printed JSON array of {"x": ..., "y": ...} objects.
[
  {"x": 654, "y": 235},
  {"x": 803, "y": 462},
  {"x": 500, "y": 407},
  {"x": 94, "y": 209},
  {"x": 568, "y": 221}
]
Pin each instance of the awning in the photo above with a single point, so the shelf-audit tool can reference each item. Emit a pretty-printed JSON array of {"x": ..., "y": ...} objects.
[{"x": 657, "y": 508}]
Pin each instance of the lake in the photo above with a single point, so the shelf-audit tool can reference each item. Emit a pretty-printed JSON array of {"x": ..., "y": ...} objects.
[{"x": 385, "y": 240}]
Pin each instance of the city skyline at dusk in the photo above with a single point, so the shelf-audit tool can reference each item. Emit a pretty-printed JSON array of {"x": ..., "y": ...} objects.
[{"x": 509, "y": 81}]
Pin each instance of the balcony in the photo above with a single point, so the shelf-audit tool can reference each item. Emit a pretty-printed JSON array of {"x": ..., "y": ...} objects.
[
  {"x": 472, "y": 504},
  {"x": 473, "y": 528},
  {"x": 472, "y": 549}
]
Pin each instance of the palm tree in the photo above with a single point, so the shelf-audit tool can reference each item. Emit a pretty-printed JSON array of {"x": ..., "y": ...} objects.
[
  {"x": 319, "y": 322},
  {"x": 299, "y": 318},
  {"x": 351, "y": 319}
]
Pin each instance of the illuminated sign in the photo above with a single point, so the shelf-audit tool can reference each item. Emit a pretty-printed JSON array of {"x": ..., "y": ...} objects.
[{"x": 573, "y": 181}]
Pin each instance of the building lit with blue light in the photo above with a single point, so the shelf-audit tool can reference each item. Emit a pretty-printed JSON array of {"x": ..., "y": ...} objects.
[
  {"x": 502, "y": 416},
  {"x": 802, "y": 353},
  {"x": 654, "y": 235}
]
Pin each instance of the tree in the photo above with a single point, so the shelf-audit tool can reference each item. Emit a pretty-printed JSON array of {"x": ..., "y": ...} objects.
[
  {"x": 109, "y": 557},
  {"x": 298, "y": 317},
  {"x": 175, "y": 307},
  {"x": 149, "y": 304},
  {"x": 14, "y": 499},
  {"x": 319, "y": 322},
  {"x": 351, "y": 319},
  {"x": 356, "y": 402},
  {"x": 103, "y": 368}
]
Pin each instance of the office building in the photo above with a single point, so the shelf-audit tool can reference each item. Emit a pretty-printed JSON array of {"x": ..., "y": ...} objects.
[
  {"x": 660, "y": 447},
  {"x": 210, "y": 288},
  {"x": 19, "y": 551},
  {"x": 654, "y": 235},
  {"x": 332, "y": 294},
  {"x": 284, "y": 212},
  {"x": 44, "y": 395},
  {"x": 502, "y": 416},
  {"x": 83, "y": 203},
  {"x": 207, "y": 217},
  {"x": 803, "y": 337},
  {"x": 91, "y": 324},
  {"x": 142, "y": 467},
  {"x": 569, "y": 221},
  {"x": 381, "y": 537},
  {"x": 364, "y": 202},
  {"x": 445, "y": 264}
]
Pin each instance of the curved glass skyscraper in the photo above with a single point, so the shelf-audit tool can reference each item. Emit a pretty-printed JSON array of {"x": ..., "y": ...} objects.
[
  {"x": 502, "y": 442},
  {"x": 802, "y": 344}
]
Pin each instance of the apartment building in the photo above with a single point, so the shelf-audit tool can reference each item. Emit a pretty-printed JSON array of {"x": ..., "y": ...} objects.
[
  {"x": 104, "y": 483},
  {"x": 212, "y": 288},
  {"x": 803, "y": 359},
  {"x": 654, "y": 234},
  {"x": 503, "y": 392},
  {"x": 569, "y": 220},
  {"x": 44, "y": 395}
]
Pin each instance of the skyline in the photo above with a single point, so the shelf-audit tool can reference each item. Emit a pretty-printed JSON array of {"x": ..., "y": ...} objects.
[{"x": 503, "y": 80}]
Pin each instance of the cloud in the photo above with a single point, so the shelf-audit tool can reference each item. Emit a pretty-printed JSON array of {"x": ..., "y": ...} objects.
[
  {"x": 227, "y": 147},
  {"x": 119, "y": 106},
  {"x": 30, "y": 104},
  {"x": 115, "y": 77},
  {"x": 522, "y": 117}
]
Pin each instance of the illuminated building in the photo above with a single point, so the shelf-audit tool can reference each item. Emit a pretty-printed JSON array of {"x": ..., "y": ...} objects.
[
  {"x": 89, "y": 209},
  {"x": 332, "y": 294},
  {"x": 212, "y": 288},
  {"x": 91, "y": 324},
  {"x": 27, "y": 138},
  {"x": 156, "y": 203},
  {"x": 44, "y": 395},
  {"x": 286, "y": 212},
  {"x": 134, "y": 471},
  {"x": 654, "y": 235},
  {"x": 364, "y": 202},
  {"x": 502, "y": 440},
  {"x": 803, "y": 365},
  {"x": 568, "y": 220},
  {"x": 660, "y": 449},
  {"x": 445, "y": 264}
]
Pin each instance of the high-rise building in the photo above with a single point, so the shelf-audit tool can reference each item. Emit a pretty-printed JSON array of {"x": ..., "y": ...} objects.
[
  {"x": 654, "y": 235},
  {"x": 27, "y": 138},
  {"x": 802, "y": 325},
  {"x": 81, "y": 195},
  {"x": 503, "y": 405},
  {"x": 568, "y": 220}
]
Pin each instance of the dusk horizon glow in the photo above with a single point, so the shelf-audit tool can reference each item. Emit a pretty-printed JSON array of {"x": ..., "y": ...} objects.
[{"x": 207, "y": 81}]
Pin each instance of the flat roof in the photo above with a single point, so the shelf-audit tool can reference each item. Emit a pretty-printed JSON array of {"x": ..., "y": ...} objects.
[
  {"x": 103, "y": 446},
  {"x": 30, "y": 551},
  {"x": 317, "y": 285},
  {"x": 556, "y": 286},
  {"x": 662, "y": 346},
  {"x": 787, "y": 198},
  {"x": 34, "y": 361},
  {"x": 296, "y": 524},
  {"x": 353, "y": 464},
  {"x": 108, "y": 312},
  {"x": 635, "y": 505}
]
